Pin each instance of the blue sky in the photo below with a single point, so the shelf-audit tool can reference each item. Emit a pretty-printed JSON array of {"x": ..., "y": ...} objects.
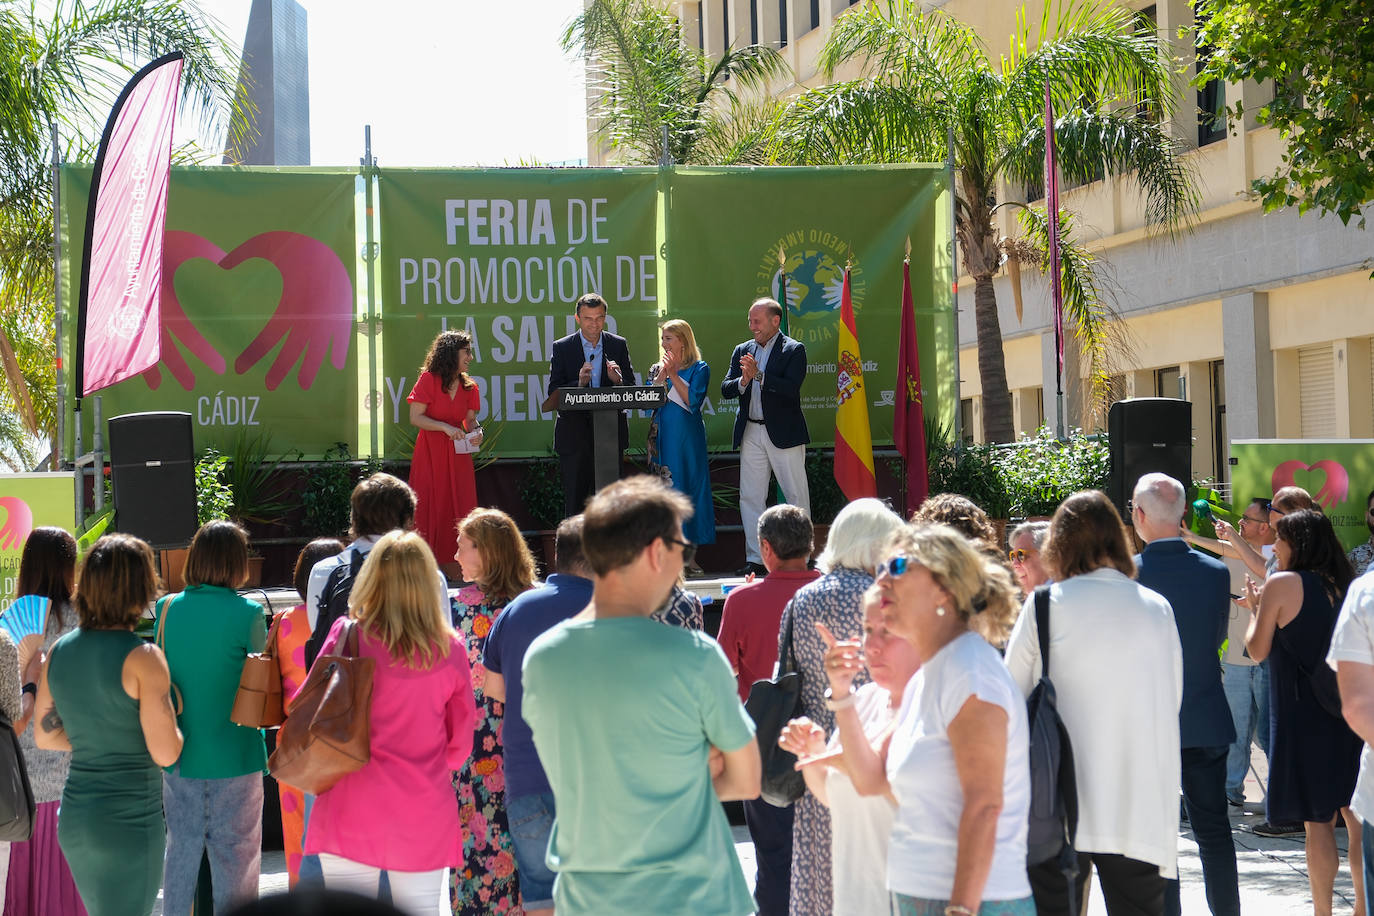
[{"x": 442, "y": 82}]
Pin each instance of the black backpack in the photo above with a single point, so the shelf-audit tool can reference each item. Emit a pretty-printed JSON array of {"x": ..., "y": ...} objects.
[
  {"x": 16, "y": 797},
  {"x": 333, "y": 603},
  {"x": 1053, "y": 822}
]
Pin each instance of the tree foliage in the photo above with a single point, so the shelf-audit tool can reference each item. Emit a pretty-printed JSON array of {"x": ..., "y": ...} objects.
[
  {"x": 930, "y": 89},
  {"x": 646, "y": 79},
  {"x": 1319, "y": 55}
]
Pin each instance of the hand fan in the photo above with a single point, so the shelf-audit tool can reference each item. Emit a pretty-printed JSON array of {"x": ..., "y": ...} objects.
[{"x": 23, "y": 621}]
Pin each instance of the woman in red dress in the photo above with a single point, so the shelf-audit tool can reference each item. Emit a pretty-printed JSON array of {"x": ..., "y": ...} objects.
[{"x": 443, "y": 408}]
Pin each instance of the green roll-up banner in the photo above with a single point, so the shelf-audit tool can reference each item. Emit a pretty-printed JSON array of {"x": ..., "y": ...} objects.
[
  {"x": 29, "y": 501},
  {"x": 1338, "y": 474},
  {"x": 258, "y": 304}
]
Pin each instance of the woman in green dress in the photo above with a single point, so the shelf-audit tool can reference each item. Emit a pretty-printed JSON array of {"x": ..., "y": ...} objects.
[{"x": 105, "y": 695}]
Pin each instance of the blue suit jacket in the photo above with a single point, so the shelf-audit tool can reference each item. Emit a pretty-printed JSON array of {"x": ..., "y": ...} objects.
[
  {"x": 1198, "y": 588},
  {"x": 782, "y": 381}
]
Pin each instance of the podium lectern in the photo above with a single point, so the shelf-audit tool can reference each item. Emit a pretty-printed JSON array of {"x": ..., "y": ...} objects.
[{"x": 605, "y": 405}]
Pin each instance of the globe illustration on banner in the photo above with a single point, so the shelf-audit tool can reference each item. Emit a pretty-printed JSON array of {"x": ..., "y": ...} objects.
[{"x": 814, "y": 283}]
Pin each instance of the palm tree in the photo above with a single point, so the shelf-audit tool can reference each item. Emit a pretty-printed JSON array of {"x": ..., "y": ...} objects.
[
  {"x": 64, "y": 69},
  {"x": 928, "y": 82},
  {"x": 648, "y": 79}
]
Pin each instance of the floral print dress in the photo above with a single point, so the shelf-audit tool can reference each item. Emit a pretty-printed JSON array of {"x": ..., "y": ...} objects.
[{"x": 487, "y": 882}]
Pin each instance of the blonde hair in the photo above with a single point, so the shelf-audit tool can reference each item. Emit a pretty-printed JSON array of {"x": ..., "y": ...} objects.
[
  {"x": 982, "y": 589},
  {"x": 681, "y": 329},
  {"x": 507, "y": 564},
  {"x": 394, "y": 599}
]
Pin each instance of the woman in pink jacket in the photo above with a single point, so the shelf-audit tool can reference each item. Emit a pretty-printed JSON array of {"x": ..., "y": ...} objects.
[{"x": 398, "y": 812}]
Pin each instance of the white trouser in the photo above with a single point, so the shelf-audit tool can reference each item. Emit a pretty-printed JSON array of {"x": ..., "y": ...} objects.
[
  {"x": 416, "y": 893},
  {"x": 757, "y": 457}
]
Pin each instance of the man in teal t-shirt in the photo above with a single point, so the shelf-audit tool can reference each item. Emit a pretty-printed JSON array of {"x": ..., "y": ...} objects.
[{"x": 639, "y": 727}]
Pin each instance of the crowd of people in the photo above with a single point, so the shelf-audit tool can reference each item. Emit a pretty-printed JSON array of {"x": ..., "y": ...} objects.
[
  {"x": 541, "y": 745},
  {"x": 565, "y": 743}
]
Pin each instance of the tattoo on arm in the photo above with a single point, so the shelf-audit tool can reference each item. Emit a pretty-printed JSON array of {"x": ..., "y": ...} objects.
[{"x": 51, "y": 721}]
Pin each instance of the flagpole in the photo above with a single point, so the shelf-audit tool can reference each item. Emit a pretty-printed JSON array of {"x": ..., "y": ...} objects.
[
  {"x": 55, "y": 460},
  {"x": 954, "y": 285}
]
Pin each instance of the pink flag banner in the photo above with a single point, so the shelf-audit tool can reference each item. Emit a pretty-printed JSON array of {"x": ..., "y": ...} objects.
[
  {"x": 118, "y": 331},
  {"x": 1052, "y": 214}
]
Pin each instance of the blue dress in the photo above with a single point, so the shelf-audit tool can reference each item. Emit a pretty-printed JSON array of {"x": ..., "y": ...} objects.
[{"x": 682, "y": 453}]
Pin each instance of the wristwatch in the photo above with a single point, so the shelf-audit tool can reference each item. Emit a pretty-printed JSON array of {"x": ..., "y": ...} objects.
[{"x": 843, "y": 702}]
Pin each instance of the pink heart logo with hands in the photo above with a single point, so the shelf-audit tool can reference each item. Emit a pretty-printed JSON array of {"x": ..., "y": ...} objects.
[
  {"x": 1334, "y": 487},
  {"x": 18, "y": 524},
  {"x": 314, "y": 315}
]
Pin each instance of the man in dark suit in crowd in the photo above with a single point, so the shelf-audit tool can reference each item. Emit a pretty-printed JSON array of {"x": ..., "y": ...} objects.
[
  {"x": 590, "y": 358},
  {"x": 1198, "y": 588},
  {"x": 766, "y": 375}
]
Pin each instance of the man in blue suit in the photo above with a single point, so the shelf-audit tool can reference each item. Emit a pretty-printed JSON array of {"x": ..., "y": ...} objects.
[
  {"x": 1198, "y": 588},
  {"x": 766, "y": 375},
  {"x": 591, "y": 358}
]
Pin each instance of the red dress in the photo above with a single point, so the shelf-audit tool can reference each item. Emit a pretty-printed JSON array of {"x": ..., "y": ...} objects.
[{"x": 443, "y": 481}]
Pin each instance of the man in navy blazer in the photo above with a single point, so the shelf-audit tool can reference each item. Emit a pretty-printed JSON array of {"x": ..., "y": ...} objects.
[
  {"x": 590, "y": 358},
  {"x": 766, "y": 375},
  {"x": 1198, "y": 588}
]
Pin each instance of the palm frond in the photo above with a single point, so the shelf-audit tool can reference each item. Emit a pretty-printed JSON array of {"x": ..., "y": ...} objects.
[
  {"x": 1092, "y": 144},
  {"x": 1103, "y": 339},
  {"x": 864, "y": 121}
]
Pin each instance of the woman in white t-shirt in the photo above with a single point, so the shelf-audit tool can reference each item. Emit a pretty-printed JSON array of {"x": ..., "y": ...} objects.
[
  {"x": 956, "y": 761},
  {"x": 859, "y": 827}
]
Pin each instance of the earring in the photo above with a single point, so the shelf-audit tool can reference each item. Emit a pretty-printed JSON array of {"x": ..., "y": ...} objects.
[{"x": 940, "y": 611}]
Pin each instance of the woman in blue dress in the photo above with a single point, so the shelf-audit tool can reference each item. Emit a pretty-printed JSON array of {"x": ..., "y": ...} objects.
[{"x": 681, "y": 438}]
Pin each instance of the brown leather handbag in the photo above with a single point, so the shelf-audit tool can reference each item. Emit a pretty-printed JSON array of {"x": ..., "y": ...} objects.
[
  {"x": 326, "y": 734},
  {"x": 257, "y": 702}
]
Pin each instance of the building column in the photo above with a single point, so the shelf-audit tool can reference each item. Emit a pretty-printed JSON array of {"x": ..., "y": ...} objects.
[
  {"x": 1354, "y": 404},
  {"x": 1250, "y": 363},
  {"x": 1198, "y": 384}
]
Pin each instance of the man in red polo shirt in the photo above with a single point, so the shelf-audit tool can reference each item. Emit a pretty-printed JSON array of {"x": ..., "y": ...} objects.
[{"x": 749, "y": 636}]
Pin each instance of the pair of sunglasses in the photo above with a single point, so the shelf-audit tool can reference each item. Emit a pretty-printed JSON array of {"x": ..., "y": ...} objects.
[
  {"x": 1018, "y": 555},
  {"x": 895, "y": 566}
]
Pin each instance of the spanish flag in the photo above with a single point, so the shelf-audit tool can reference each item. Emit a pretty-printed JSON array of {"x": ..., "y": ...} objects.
[{"x": 853, "y": 440}]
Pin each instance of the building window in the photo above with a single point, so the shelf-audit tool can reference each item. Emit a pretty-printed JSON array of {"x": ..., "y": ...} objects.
[
  {"x": 1166, "y": 383},
  {"x": 966, "y": 420},
  {"x": 753, "y": 22},
  {"x": 815, "y": 14},
  {"x": 783, "y": 34},
  {"x": 1211, "y": 104},
  {"x": 1316, "y": 392},
  {"x": 725, "y": 23}
]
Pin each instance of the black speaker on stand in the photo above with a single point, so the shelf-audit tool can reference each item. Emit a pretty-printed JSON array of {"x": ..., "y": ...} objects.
[
  {"x": 1148, "y": 435},
  {"x": 152, "y": 468}
]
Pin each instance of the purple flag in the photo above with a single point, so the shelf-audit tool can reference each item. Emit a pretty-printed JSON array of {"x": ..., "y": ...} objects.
[
  {"x": 118, "y": 331},
  {"x": 1052, "y": 213}
]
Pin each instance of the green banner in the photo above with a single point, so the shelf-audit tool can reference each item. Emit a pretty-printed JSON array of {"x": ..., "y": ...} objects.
[
  {"x": 29, "y": 501},
  {"x": 724, "y": 230},
  {"x": 1338, "y": 474},
  {"x": 259, "y": 306},
  {"x": 504, "y": 254},
  {"x": 266, "y": 289}
]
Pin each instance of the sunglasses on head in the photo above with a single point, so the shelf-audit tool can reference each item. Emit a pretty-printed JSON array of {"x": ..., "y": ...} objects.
[{"x": 895, "y": 566}]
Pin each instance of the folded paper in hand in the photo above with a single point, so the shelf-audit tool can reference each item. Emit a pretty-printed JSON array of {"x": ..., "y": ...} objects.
[{"x": 468, "y": 443}]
